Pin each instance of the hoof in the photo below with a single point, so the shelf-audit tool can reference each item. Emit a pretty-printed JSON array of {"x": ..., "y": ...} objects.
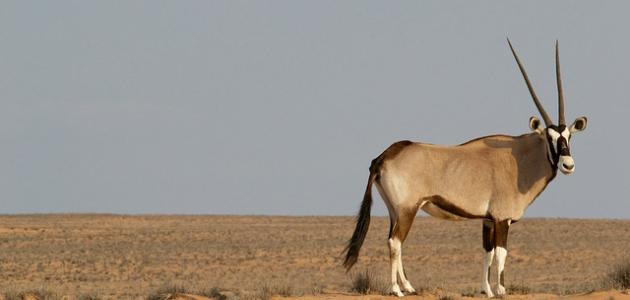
[
  {"x": 489, "y": 293},
  {"x": 500, "y": 290},
  {"x": 396, "y": 291},
  {"x": 408, "y": 288}
]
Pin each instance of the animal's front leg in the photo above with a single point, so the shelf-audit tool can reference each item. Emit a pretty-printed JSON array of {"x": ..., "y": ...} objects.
[
  {"x": 487, "y": 234},
  {"x": 501, "y": 235}
]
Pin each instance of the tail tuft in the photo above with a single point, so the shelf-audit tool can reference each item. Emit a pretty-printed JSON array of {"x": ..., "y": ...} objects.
[{"x": 363, "y": 224}]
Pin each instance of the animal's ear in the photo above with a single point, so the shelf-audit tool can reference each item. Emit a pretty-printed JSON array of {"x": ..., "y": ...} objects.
[
  {"x": 578, "y": 125},
  {"x": 535, "y": 125}
]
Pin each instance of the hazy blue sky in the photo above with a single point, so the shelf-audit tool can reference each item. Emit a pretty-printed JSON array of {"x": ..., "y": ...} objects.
[{"x": 277, "y": 107}]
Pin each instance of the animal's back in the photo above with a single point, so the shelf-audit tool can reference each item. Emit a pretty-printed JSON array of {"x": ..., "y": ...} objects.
[{"x": 462, "y": 177}]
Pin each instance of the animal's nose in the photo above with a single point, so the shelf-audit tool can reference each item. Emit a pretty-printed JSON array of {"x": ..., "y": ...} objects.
[{"x": 568, "y": 166}]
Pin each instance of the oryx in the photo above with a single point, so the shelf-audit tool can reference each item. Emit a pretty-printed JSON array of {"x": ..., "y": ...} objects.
[{"x": 493, "y": 178}]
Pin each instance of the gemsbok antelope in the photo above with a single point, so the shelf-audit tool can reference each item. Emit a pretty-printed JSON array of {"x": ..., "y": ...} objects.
[{"x": 493, "y": 178}]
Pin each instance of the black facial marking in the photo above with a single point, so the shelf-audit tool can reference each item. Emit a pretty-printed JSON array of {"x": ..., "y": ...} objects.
[{"x": 562, "y": 144}]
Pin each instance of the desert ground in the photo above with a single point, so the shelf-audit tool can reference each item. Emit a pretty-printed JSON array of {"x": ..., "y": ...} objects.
[{"x": 248, "y": 257}]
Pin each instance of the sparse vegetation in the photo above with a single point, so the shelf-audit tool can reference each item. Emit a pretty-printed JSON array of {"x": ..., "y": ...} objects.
[
  {"x": 43, "y": 294},
  {"x": 11, "y": 296},
  {"x": 582, "y": 288},
  {"x": 88, "y": 297},
  {"x": 469, "y": 293},
  {"x": 518, "y": 289},
  {"x": 239, "y": 295},
  {"x": 39, "y": 294},
  {"x": 619, "y": 277},
  {"x": 317, "y": 289},
  {"x": 213, "y": 293},
  {"x": 269, "y": 290},
  {"x": 367, "y": 283},
  {"x": 167, "y": 291},
  {"x": 265, "y": 293},
  {"x": 84, "y": 257}
]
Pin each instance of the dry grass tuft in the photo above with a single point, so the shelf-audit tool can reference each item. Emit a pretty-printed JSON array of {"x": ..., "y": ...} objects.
[
  {"x": 38, "y": 294},
  {"x": 10, "y": 296},
  {"x": 619, "y": 277},
  {"x": 265, "y": 293},
  {"x": 240, "y": 295},
  {"x": 368, "y": 282},
  {"x": 317, "y": 290},
  {"x": 269, "y": 290},
  {"x": 469, "y": 293},
  {"x": 213, "y": 293},
  {"x": 88, "y": 297},
  {"x": 43, "y": 294},
  {"x": 518, "y": 289},
  {"x": 167, "y": 291}
]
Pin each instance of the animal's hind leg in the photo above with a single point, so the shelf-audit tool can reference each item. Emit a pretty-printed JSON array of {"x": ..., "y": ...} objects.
[
  {"x": 402, "y": 212},
  {"x": 394, "y": 248},
  {"x": 397, "y": 238},
  {"x": 394, "y": 253}
]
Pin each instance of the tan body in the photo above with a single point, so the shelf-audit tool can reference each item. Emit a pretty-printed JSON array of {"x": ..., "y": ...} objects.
[{"x": 495, "y": 177}]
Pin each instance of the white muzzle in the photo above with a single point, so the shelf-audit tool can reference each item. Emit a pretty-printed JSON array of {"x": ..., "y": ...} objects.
[{"x": 566, "y": 164}]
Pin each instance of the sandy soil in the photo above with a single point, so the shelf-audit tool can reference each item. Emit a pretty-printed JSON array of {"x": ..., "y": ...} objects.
[
  {"x": 129, "y": 257},
  {"x": 602, "y": 295}
]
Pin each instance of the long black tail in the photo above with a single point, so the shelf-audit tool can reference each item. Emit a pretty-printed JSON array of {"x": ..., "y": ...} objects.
[{"x": 363, "y": 224}]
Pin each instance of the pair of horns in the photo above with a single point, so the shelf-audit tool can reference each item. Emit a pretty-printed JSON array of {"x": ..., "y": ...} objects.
[{"x": 541, "y": 109}]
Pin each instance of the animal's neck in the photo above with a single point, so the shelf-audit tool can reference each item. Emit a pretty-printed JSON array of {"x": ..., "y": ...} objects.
[{"x": 535, "y": 154}]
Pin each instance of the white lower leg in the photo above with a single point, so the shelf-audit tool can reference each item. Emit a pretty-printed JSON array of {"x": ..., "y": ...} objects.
[
  {"x": 394, "y": 255},
  {"x": 501, "y": 254},
  {"x": 401, "y": 273},
  {"x": 487, "y": 262}
]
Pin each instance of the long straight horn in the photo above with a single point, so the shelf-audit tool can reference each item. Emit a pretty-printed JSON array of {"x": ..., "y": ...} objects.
[
  {"x": 541, "y": 109},
  {"x": 560, "y": 94}
]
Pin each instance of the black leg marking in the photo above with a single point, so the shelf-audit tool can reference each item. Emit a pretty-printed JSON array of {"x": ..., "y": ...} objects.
[
  {"x": 487, "y": 233},
  {"x": 488, "y": 238},
  {"x": 501, "y": 233},
  {"x": 501, "y": 237}
]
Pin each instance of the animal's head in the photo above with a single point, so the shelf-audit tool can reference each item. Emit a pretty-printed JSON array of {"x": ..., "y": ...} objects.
[
  {"x": 558, "y": 140},
  {"x": 558, "y": 136}
]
